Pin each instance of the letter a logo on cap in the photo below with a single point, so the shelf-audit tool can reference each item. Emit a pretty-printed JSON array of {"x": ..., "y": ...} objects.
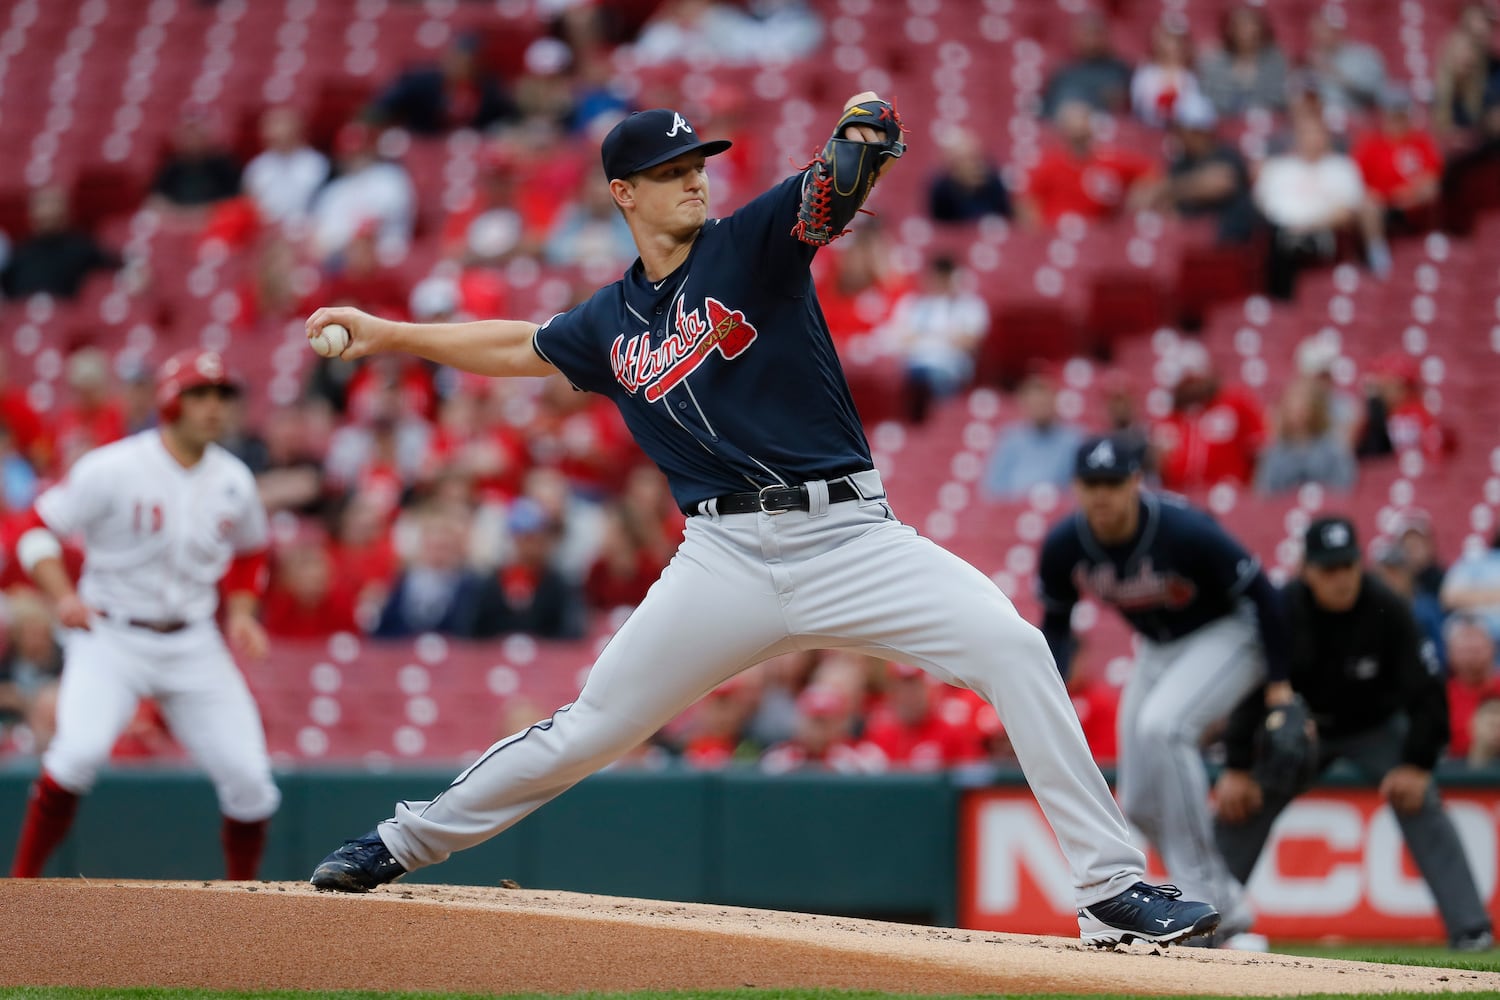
[
  {"x": 679, "y": 125},
  {"x": 1103, "y": 456},
  {"x": 1336, "y": 536}
]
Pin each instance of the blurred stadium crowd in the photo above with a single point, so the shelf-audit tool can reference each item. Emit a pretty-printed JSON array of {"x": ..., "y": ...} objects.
[{"x": 233, "y": 165}]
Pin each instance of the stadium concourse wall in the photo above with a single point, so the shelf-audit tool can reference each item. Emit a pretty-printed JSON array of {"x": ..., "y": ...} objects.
[{"x": 925, "y": 848}]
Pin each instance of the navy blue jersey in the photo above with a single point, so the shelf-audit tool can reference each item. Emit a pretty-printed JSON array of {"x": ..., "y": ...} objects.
[
  {"x": 724, "y": 371},
  {"x": 1180, "y": 572}
]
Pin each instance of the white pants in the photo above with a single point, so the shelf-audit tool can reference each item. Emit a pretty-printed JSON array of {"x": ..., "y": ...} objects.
[
  {"x": 110, "y": 668},
  {"x": 746, "y": 587},
  {"x": 1177, "y": 691}
]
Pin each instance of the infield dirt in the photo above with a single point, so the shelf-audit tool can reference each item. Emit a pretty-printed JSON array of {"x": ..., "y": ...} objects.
[{"x": 285, "y": 935}]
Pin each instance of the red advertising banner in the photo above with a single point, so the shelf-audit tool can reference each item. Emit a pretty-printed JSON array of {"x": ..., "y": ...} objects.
[{"x": 1335, "y": 866}]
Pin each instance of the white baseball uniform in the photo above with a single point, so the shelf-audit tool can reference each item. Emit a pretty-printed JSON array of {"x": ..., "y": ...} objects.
[{"x": 157, "y": 539}]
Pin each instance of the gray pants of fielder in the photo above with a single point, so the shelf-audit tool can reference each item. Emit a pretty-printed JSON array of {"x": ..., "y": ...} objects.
[
  {"x": 1178, "y": 691},
  {"x": 1429, "y": 833}
]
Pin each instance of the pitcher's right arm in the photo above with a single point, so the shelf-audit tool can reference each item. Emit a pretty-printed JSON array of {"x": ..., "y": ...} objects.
[{"x": 497, "y": 348}]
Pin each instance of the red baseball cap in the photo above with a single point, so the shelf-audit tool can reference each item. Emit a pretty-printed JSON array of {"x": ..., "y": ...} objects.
[{"x": 821, "y": 701}]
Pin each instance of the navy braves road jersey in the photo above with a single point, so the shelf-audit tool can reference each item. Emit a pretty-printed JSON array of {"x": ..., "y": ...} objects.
[
  {"x": 724, "y": 371},
  {"x": 1180, "y": 572}
]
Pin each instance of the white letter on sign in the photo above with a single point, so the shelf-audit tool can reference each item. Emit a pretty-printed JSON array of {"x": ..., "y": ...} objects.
[
  {"x": 1394, "y": 892},
  {"x": 1013, "y": 835},
  {"x": 1341, "y": 826}
]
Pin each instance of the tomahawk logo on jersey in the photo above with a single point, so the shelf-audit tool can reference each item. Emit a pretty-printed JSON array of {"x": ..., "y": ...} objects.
[{"x": 661, "y": 368}]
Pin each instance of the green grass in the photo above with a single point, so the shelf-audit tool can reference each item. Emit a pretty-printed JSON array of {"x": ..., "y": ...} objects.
[
  {"x": 68, "y": 993},
  {"x": 1433, "y": 956}
]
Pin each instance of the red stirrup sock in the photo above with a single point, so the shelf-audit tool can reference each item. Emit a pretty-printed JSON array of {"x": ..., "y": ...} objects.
[
  {"x": 49, "y": 815},
  {"x": 244, "y": 843}
]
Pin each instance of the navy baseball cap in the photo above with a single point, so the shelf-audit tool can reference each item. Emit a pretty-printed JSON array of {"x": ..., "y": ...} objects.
[
  {"x": 1107, "y": 458},
  {"x": 1330, "y": 541},
  {"x": 648, "y": 138}
]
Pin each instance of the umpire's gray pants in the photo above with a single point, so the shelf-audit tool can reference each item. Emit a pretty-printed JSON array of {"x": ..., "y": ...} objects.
[
  {"x": 746, "y": 587},
  {"x": 1177, "y": 692},
  {"x": 1429, "y": 833}
]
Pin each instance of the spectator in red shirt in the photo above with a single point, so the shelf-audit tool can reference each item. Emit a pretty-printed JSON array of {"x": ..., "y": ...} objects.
[
  {"x": 1081, "y": 177},
  {"x": 490, "y": 453},
  {"x": 1400, "y": 163},
  {"x": 95, "y": 416},
  {"x": 490, "y": 229},
  {"x": 1471, "y": 675},
  {"x": 858, "y": 284},
  {"x": 1213, "y": 433},
  {"x": 1097, "y": 703},
  {"x": 306, "y": 600},
  {"x": 581, "y": 435},
  {"x": 909, "y": 729},
  {"x": 356, "y": 277},
  {"x": 1396, "y": 418},
  {"x": 823, "y": 740},
  {"x": 363, "y": 551},
  {"x": 653, "y": 515},
  {"x": 715, "y": 731},
  {"x": 625, "y": 567},
  {"x": 27, "y": 433}
]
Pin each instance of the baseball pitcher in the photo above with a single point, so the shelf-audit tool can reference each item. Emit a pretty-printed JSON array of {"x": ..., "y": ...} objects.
[
  {"x": 164, "y": 517},
  {"x": 715, "y": 351}
]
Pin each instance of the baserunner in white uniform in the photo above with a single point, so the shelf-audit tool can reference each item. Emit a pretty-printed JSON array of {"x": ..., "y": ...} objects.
[
  {"x": 715, "y": 351},
  {"x": 163, "y": 517}
]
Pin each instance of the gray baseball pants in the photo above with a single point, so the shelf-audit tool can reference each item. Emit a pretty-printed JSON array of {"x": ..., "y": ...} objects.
[
  {"x": 746, "y": 587},
  {"x": 1176, "y": 692},
  {"x": 1429, "y": 834}
]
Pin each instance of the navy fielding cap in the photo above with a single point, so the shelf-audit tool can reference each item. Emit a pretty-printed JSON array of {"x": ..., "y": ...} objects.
[
  {"x": 1107, "y": 458},
  {"x": 648, "y": 138}
]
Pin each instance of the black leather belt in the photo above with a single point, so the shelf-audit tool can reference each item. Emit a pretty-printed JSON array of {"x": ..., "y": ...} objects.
[
  {"x": 166, "y": 627},
  {"x": 777, "y": 499}
]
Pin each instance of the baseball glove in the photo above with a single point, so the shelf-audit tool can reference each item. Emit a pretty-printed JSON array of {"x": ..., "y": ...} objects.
[
  {"x": 839, "y": 178},
  {"x": 1286, "y": 758}
]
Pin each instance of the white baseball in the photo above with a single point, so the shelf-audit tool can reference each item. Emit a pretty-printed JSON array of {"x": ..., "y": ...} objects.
[{"x": 331, "y": 340}]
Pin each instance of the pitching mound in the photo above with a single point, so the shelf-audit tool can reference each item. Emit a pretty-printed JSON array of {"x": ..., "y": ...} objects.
[{"x": 285, "y": 935}]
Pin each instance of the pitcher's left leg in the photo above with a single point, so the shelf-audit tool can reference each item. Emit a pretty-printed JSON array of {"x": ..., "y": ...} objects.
[{"x": 893, "y": 593}]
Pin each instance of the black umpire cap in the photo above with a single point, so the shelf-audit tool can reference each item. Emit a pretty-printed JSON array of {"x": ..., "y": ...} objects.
[
  {"x": 648, "y": 138},
  {"x": 1107, "y": 458},
  {"x": 1330, "y": 541}
]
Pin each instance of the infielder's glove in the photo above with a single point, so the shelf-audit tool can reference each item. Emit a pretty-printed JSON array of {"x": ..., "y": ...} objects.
[
  {"x": 1286, "y": 758},
  {"x": 840, "y": 177}
]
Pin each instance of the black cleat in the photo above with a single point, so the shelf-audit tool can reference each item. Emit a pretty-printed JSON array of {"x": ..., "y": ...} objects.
[
  {"x": 359, "y": 866},
  {"x": 1153, "y": 913}
]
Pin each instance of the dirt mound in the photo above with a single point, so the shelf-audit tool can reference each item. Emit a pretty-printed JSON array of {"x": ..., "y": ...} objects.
[{"x": 285, "y": 935}]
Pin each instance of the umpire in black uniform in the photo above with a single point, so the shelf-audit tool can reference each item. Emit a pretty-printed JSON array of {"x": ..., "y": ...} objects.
[{"x": 1373, "y": 687}]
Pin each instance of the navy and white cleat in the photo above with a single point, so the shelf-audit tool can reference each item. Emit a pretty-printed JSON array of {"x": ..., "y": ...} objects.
[
  {"x": 359, "y": 866},
  {"x": 1156, "y": 914}
]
